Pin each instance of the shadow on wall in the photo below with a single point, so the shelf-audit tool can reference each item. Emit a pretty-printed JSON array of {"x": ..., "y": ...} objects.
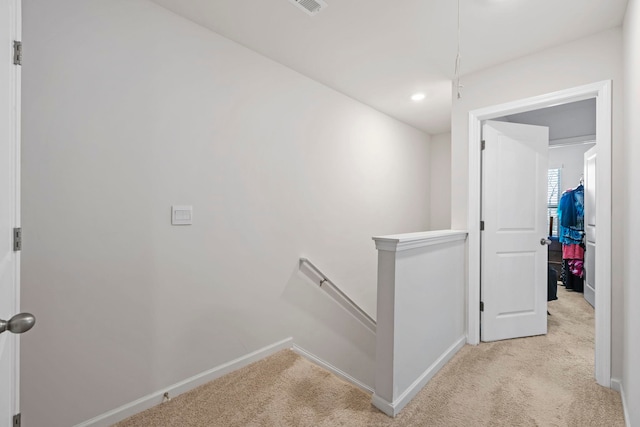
[{"x": 321, "y": 326}]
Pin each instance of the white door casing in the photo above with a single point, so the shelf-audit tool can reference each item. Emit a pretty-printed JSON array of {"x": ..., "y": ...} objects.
[
  {"x": 602, "y": 92},
  {"x": 590, "y": 224},
  {"x": 514, "y": 260},
  {"x": 9, "y": 207}
]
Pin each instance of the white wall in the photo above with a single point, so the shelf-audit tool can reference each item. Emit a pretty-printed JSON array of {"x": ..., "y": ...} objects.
[
  {"x": 440, "y": 167},
  {"x": 631, "y": 203},
  {"x": 570, "y": 159},
  {"x": 590, "y": 59},
  {"x": 129, "y": 109}
]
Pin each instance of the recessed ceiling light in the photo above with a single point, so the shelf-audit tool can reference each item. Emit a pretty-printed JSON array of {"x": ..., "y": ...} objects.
[{"x": 418, "y": 96}]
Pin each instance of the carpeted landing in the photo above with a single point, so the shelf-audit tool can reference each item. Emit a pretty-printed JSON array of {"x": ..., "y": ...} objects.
[{"x": 538, "y": 381}]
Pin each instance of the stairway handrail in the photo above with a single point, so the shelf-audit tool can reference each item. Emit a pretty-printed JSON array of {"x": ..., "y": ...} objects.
[{"x": 362, "y": 315}]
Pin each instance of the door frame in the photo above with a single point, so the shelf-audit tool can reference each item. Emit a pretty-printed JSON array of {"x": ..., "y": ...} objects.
[
  {"x": 602, "y": 92},
  {"x": 15, "y": 83}
]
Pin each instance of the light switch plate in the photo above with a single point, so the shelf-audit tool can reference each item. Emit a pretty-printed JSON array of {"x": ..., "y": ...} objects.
[{"x": 181, "y": 215}]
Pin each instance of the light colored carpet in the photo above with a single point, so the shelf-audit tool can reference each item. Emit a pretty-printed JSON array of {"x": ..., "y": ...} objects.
[{"x": 538, "y": 381}]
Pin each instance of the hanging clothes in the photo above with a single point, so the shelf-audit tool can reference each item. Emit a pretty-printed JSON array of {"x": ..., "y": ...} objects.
[
  {"x": 571, "y": 216},
  {"x": 572, "y": 252},
  {"x": 571, "y": 234},
  {"x": 576, "y": 267},
  {"x": 569, "y": 280}
]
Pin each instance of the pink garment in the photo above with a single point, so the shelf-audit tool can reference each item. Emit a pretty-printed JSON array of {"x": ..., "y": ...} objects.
[
  {"x": 576, "y": 267},
  {"x": 572, "y": 252}
]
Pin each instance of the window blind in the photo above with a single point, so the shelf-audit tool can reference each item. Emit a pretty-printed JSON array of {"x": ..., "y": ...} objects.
[{"x": 553, "y": 197}]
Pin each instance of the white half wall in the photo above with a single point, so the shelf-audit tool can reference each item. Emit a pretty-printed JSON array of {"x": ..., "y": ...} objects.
[
  {"x": 584, "y": 61},
  {"x": 129, "y": 109},
  {"x": 440, "y": 169},
  {"x": 421, "y": 312},
  {"x": 631, "y": 207}
]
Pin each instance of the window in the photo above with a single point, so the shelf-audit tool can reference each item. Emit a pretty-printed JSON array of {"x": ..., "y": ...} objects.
[{"x": 553, "y": 197}]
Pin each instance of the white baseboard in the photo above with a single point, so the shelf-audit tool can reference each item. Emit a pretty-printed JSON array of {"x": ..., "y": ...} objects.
[
  {"x": 393, "y": 408},
  {"x": 329, "y": 367},
  {"x": 616, "y": 384},
  {"x": 153, "y": 399},
  {"x": 384, "y": 406}
]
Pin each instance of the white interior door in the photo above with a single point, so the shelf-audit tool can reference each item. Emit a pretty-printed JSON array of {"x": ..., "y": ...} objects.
[
  {"x": 590, "y": 225},
  {"x": 9, "y": 207},
  {"x": 514, "y": 246}
]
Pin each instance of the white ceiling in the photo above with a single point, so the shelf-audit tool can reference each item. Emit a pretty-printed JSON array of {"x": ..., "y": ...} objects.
[{"x": 380, "y": 52}]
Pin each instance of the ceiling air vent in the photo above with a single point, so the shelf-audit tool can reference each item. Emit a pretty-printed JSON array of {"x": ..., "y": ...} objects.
[{"x": 311, "y": 7}]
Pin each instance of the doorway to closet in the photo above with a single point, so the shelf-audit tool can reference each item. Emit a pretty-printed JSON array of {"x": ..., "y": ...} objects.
[
  {"x": 601, "y": 93},
  {"x": 572, "y": 153}
]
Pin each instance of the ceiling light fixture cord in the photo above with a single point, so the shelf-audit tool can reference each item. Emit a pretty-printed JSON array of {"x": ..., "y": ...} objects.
[{"x": 458, "y": 58}]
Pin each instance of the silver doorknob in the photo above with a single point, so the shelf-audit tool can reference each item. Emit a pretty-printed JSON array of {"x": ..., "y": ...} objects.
[
  {"x": 18, "y": 324},
  {"x": 544, "y": 241}
]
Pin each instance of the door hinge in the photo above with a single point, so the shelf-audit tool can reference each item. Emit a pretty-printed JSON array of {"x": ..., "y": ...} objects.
[
  {"x": 481, "y": 225},
  {"x": 481, "y": 306},
  {"x": 483, "y": 144},
  {"x": 17, "y": 52},
  {"x": 17, "y": 239},
  {"x": 17, "y": 420}
]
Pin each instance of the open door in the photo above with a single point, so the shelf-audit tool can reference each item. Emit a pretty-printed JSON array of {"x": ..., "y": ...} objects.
[{"x": 514, "y": 237}]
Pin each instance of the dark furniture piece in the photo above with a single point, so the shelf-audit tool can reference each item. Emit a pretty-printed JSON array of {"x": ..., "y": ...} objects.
[{"x": 555, "y": 256}]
